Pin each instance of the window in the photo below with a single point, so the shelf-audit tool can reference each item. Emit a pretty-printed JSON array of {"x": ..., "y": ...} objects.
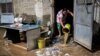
[
  {"x": 82, "y": 2},
  {"x": 6, "y": 8}
]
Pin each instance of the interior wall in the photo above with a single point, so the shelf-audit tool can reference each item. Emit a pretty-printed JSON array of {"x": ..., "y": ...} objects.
[
  {"x": 40, "y": 8},
  {"x": 24, "y": 6},
  {"x": 46, "y": 11}
]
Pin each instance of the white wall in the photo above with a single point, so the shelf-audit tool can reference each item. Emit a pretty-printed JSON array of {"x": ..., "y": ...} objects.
[
  {"x": 24, "y": 6},
  {"x": 40, "y": 8}
]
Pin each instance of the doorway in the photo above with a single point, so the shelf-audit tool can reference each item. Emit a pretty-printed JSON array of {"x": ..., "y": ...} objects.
[{"x": 58, "y": 5}]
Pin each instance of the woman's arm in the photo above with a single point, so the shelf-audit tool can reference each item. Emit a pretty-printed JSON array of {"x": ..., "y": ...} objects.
[
  {"x": 70, "y": 13},
  {"x": 61, "y": 22}
]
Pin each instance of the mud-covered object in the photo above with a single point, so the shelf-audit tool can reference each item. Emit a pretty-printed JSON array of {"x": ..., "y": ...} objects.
[
  {"x": 65, "y": 30},
  {"x": 29, "y": 19},
  {"x": 4, "y": 51},
  {"x": 3, "y": 46}
]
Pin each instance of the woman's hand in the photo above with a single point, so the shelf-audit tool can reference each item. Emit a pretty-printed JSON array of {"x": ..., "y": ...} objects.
[
  {"x": 70, "y": 13},
  {"x": 63, "y": 26}
]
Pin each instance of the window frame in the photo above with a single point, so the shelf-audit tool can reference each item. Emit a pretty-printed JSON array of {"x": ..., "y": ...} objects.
[{"x": 8, "y": 8}]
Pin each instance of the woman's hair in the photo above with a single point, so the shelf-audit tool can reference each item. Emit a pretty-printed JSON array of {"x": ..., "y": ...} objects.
[{"x": 64, "y": 9}]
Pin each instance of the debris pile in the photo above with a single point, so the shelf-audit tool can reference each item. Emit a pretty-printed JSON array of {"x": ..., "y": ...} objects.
[{"x": 52, "y": 51}]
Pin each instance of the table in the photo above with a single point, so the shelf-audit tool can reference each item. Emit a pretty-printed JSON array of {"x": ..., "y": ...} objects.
[{"x": 32, "y": 33}]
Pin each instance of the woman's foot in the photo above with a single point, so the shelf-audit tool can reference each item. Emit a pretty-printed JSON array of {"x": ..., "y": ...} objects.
[{"x": 64, "y": 45}]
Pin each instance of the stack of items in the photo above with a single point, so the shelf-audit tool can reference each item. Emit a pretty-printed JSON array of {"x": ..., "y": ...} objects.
[{"x": 53, "y": 51}]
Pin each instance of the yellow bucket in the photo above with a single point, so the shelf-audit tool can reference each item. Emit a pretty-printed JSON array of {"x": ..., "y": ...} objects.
[
  {"x": 41, "y": 43},
  {"x": 67, "y": 26}
]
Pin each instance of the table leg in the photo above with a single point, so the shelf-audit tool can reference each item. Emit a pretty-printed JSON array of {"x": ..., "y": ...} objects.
[
  {"x": 32, "y": 36},
  {"x": 2, "y": 36}
]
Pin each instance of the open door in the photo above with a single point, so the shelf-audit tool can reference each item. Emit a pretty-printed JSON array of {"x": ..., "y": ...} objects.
[
  {"x": 83, "y": 22},
  {"x": 58, "y": 5}
]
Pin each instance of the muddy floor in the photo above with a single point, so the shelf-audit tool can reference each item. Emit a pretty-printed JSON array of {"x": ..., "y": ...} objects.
[{"x": 72, "y": 49}]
